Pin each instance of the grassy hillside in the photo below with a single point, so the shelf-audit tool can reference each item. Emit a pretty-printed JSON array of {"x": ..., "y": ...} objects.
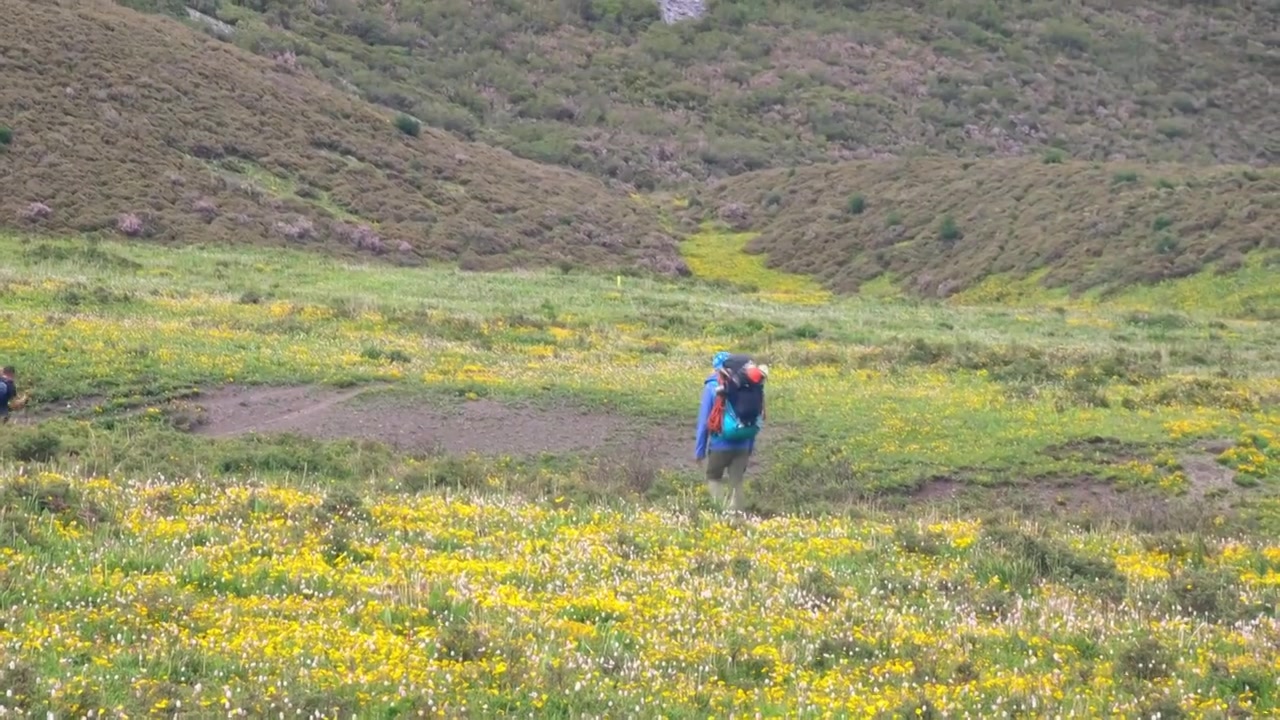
[
  {"x": 940, "y": 226},
  {"x": 148, "y": 129},
  {"x": 604, "y": 86}
]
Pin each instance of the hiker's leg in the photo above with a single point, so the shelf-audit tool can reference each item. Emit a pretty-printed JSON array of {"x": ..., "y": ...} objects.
[
  {"x": 717, "y": 463},
  {"x": 737, "y": 472}
]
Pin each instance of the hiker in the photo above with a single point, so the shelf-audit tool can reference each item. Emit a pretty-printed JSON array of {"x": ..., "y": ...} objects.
[
  {"x": 9, "y": 399},
  {"x": 731, "y": 415}
]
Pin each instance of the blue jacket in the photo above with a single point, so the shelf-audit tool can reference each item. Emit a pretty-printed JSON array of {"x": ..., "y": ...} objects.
[{"x": 700, "y": 447}]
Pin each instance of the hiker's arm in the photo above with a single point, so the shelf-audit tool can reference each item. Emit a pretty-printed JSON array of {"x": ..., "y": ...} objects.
[{"x": 700, "y": 447}]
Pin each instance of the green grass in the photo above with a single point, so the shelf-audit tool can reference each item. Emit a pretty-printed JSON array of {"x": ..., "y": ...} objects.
[
  {"x": 715, "y": 253},
  {"x": 265, "y": 571},
  {"x": 281, "y": 188},
  {"x": 871, "y": 395}
]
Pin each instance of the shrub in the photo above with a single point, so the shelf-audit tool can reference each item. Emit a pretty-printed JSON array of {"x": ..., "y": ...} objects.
[
  {"x": 36, "y": 445},
  {"x": 205, "y": 208},
  {"x": 1124, "y": 177},
  {"x": 948, "y": 231},
  {"x": 287, "y": 60},
  {"x": 36, "y": 211},
  {"x": 6, "y": 135},
  {"x": 1158, "y": 320},
  {"x": 394, "y": 355},
  {"x": 1161, "y": 222},
  {"x": 1147, "y": 659},
  {"x": 361, "y": 236},
  {"x": 342, "y": 503},
  {"x": 1068, "y": 35},
  {"x": 1054, "y": 157},
  {"x": 1208, "y": 593},
  {"x": 299, "y": 229},
  {"x": 408, "y": 125},
  {"x": 857, "y": 204},
  {"x": 129, "y": 224},
  {"x": 736, "y": 215}
]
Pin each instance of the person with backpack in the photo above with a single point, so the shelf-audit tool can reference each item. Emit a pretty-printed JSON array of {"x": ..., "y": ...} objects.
[
  {"x": 729, "y": 419},
  {"x": 9, "y": 399}
]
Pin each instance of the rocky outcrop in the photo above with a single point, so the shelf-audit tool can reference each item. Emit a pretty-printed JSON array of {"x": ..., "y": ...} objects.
[
  {"x": 674, "y": 11},
  {"x": 217, "y": 26}
]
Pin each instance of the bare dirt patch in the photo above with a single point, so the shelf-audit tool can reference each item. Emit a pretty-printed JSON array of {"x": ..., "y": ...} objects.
[
  {"x": 413, "y": 423},
  {"x": 1208, "y": 477},
  {"x": 939, "y": 487},
  {"x": 74, "y": 407}
]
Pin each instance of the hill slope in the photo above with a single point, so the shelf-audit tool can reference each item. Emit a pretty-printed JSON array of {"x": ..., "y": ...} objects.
[
  {"x": 604, "y": 86},
  {"x": 943, "y": 225},
  {"x": 150, "y": 129}
]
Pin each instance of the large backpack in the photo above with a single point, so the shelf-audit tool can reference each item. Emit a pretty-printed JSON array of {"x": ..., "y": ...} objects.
[{"x": 738, "y": 412}]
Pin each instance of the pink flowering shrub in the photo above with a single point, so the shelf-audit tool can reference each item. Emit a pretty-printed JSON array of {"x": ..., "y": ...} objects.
[
  {"x": 205, "y": 208},
  {"x": 300, "y": 229},
  {"x": 129, "y": 224},
  {"x": 36, "y": 211},
  {"x": 287, "y": 60},
  {"x": 361, "y": 236}
]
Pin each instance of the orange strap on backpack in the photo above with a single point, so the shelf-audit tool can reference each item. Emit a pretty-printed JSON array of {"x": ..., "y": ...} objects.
[{"x": 715, "y": 420}]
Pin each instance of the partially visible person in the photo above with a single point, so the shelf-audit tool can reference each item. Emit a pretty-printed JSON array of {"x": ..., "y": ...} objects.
[
  {"x": 9, "y": 399},
  {"x": 730, "y": 417}
]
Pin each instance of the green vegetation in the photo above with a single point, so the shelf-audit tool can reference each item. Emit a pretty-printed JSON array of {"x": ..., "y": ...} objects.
[
  {"x": 876, "y": 396},
  {"x": 605, "y": 87},
  {"x": 156, "y": 597},
  {"x": 716, "y": 254},
  {"x": 443, "y": 467},
  {"x": 942, "y": 226},
  {"x": 167, "y": 562},
  {"x": 409, "y": 125}
]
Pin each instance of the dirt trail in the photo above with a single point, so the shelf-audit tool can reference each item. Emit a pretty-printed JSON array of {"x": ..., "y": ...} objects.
[
  {"x": 417, "y": 424},
  {"x": 235, "y": 410}
]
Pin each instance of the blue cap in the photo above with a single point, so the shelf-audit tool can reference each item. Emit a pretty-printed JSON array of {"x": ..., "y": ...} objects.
[{"x": 718, "y": 361}]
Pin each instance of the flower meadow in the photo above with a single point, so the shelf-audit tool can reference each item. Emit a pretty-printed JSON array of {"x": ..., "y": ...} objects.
[
  {"x": 180, "y": 597},
  {"x": 147, "y": 570}
]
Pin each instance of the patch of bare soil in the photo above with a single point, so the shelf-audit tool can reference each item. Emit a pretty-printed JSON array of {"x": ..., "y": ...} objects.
[
  {"x": 75, "y": 407},
  {"x": 1075, "y": 494},
  {"x": 1096, "y": 449},
  {"x": 417, "y": 424},
  {"x": 940, "y": 487},
  {"x": 1207, "y": 476}
]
